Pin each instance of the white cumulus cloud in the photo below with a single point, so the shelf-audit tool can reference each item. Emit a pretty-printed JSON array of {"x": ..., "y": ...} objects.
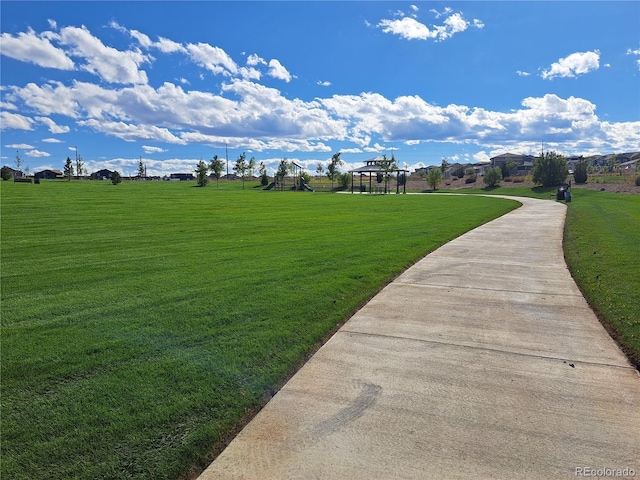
[
  {"x": 15, "y": 121},
  {"x": 108, "y": 63},
  {"x": 32, "y": 48},
  {"x": 53, "y": 126},
  {"x": 411, "y": 29},
  {"x": 37, "y": 154},
  {"x": 573, "y": 65},
  {"x": 634, "y": 52},
  {"x": 277, "y": 70},
  {"x": 214, "y": 59},
  {"x": 149, "y": 150},
  {"x": 406, "y": 27}
]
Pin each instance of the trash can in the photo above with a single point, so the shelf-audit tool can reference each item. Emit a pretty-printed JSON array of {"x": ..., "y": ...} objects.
[
  {"x": 567, "y": 196},
  {"x": 560, "y": 193}
]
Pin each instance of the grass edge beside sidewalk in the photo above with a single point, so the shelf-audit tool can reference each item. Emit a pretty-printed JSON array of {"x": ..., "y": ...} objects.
[{"x": 602, "y": 230}]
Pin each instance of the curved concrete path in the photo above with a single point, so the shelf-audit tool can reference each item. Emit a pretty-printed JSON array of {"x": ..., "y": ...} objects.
[{"x": 483, "y": 360}]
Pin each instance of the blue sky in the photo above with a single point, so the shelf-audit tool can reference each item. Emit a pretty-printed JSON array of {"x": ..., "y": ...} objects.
[{"x": 174, "y": 82}]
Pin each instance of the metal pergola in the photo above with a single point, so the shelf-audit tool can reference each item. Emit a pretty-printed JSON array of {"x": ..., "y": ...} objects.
[{"x": 372, "y": 167}]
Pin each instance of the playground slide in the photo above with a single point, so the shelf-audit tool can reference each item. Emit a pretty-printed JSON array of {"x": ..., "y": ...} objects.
[
  {"x": 306, "y": 187},
  {"x": 270, "y": 186}
]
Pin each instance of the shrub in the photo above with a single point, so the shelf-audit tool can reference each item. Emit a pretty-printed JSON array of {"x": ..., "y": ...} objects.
[
  {"x": 345, "y": 179},
  {"x": 507, "y": 179},
  {"x": 458, "y": 172},
  {"x": 306, "y": 178},
  {"x": 580, "y": 174},
  {"x": 518, "y": 179},
  {"x": 471, "y": 179},
  {"x": 116, "y": 178},
  {"x": 434, "y": 178},
  {"x": 492, "y": 177},
  {"x": 6, "y": 173},
  {"x": 550, "y": 169}
]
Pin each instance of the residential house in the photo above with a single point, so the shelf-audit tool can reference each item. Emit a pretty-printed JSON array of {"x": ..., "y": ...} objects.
[
  {"x": 523, "y": 163},
  {"x": 181, "y": 176},
  {"x": 103, "y": 174},
  {"x": 15, "y": 173},
  {"x": 48, "y": 174}
]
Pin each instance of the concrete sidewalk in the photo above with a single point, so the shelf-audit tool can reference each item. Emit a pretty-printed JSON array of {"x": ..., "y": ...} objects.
[{"x": 483, "y": 360}]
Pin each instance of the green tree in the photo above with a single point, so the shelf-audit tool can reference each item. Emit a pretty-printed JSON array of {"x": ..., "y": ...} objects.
[
  {"x": 68, "y": 169},
  {"x": 281, "y": 174},
  {"x": 241, "y": 167},
  {"x": 202, "y": 169},
  {"x": 550, "y": 169},
  {"x": 580, "y": 174},
  {"x": 141, "y": 169},
  {"x": 458, "y": 171},
  {"x": 6, "y": 173},
  {"x": 116, "y": 178},
  {"x": 333, "y": 170},
  {"x": 388, "y": 165},
  {"x": 264, "y": 178},
  {"x": 320, "y": 169},
  {"x": 434, "y": 178},
  {"x": 251, "y": 166},
  {"x": 492, "y": 177},
  {"x": 216, "y": 167},
  {"x": 345, "y": 179},
  {"x": 507, "y": 167},
  {"x": 444, "y": 165},
  {"x": 305, "y": 177}
]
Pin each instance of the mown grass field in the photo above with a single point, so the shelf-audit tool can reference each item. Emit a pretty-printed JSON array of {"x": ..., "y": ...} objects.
[
  {"x": 602, "y": 248},
  {"x": 141, "y": 321}
]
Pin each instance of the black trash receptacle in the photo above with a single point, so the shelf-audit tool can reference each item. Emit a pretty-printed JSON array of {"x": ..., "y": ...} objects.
[{"x": 560, "y": 193}]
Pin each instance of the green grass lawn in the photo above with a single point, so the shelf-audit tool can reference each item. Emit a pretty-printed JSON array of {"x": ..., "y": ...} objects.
[
  {"x": 140, "y": 322},
  {"x": 602, "y": 248}
]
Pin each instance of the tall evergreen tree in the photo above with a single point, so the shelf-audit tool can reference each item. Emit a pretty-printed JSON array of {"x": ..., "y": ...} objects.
[
  {"x": 68, "y": 169},
  {"x": 201, "y": 173}
]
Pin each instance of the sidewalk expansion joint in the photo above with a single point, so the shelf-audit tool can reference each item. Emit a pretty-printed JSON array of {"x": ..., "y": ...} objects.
[
  {"x": 487, "y": 349},
  {"x": 440, "y": 285}
]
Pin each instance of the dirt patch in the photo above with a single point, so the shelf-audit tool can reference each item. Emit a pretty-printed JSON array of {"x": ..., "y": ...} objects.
[
  {"x": 458, "y": 184},
  {"x": 611, "y": 187}
]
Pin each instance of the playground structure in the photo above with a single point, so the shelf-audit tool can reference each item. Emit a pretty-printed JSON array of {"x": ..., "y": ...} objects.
[{"x": 299, "y": 184}]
